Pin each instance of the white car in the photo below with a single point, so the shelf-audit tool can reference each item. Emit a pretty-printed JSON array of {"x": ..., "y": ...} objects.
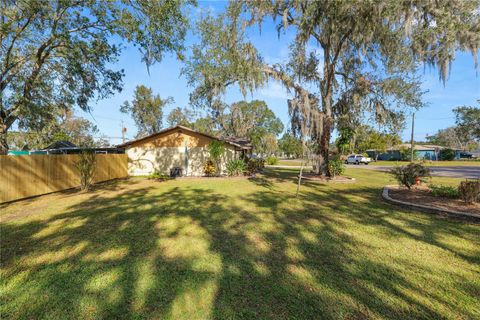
[{"x": 357, "y": 159}]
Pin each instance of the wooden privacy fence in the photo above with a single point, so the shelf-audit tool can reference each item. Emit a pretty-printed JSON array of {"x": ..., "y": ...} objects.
[{"x": 32, "y": 175}]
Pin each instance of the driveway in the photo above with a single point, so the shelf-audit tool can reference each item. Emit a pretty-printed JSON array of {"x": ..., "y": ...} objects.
[{"x": 471, "y": 172}]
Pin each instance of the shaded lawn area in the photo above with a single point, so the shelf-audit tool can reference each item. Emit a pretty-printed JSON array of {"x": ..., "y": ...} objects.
[{"x": 235, "y": 248}]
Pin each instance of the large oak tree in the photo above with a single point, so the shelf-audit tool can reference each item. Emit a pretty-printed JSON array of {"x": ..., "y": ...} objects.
[
  {"x": 59, "y": 54},
  {"x": 362, "y": 66}
]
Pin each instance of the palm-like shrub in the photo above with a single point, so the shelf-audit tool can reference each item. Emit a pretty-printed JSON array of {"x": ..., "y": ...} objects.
[
  {"x": 409, "y": 175},
  {"x": 236, "y": 167}
]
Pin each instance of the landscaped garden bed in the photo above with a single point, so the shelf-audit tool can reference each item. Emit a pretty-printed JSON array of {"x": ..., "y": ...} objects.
[{"x": 423, "y": 196}]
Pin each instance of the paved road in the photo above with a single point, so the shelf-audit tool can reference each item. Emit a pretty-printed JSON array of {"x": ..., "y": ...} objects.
[{"x": 471, "y": 172}]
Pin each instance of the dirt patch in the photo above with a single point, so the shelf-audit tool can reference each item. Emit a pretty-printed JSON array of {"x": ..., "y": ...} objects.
[{"x": 423, "y": 196}]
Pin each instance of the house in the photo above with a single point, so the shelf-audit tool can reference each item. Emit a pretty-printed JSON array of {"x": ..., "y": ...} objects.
[
  {"x": 178, "y": 147},
  {"x": 66, "y": 147},
  {"x": 422, "y": 152}
]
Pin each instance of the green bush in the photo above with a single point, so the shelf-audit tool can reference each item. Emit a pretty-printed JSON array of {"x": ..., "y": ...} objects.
[
  {"x": 209, "y": 168},
  {"x": 272, "y": 160},
  {"x": 335, "y": 167},
  {"x": 236, "y": 167},
  {"x": 469, "y": 191},
  {"x": 407, "y": 176},
  {"x": 444, "y": 191},
  {"x": 86, "y": 168},
  {"x": 158, "y": 176},
  {"x": 255, "y": 165},
  {"x": 216, "y": 149},
  {"x": 447, "y": 154}
]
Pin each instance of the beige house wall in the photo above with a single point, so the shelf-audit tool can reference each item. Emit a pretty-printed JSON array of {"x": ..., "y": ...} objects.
[{"x": 177, "y": 149}]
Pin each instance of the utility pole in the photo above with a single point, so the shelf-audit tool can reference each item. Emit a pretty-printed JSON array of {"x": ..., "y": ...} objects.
[
  {"x": 123, "y": 132},
  {"x": 411, "y": 139}
]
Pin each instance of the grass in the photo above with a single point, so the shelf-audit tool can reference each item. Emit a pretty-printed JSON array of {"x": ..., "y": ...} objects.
[
  {"x": 298, "y": 162},
  {"x": 235, "y": 249},
  {"x": 293, "y": 162},
  {"x": 430, "y": 163}
]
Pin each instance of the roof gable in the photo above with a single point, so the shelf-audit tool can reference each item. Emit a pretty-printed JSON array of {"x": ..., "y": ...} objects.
[{"x": 150, "y": 139}]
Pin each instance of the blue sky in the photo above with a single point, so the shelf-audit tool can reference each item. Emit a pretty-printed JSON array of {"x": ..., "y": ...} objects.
[{"x": 462, "y": 87}]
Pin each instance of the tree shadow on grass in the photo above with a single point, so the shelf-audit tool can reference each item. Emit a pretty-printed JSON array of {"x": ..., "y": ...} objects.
[{"x": 191, "y": 252}]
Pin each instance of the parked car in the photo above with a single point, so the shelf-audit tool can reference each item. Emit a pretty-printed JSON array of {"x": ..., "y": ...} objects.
[
  {"x": 357, "y": 159},
  {"x": 466, "y": 155}
]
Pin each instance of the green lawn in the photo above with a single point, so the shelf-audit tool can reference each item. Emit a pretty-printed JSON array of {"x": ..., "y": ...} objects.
[
  {"x": 293, "y": 162},
  {"x": 430, "y": 163},
  {"x": 235, "y": 249}
]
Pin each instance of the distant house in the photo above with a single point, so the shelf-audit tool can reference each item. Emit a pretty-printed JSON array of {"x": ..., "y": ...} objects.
[
  {"x": 178, "y": 147},
  {"x": 65, "y": 147},
  {"x": 422, "y": 152}
]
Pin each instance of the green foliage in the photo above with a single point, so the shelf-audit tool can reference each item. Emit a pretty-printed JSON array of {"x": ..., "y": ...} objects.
[
  {"x": 59, "y": 54},
  {"x": 180, "y": 116},
  {"x": 86, "y": 168},
  {"x": 146, "y": 110},
  {"x": 469, "y": 191},
  {"x": 255, "y": 165},
  {"x": 157, "y": 175},
  {"x": 444, "y": 191},
  {"x": 447, "y": 154},
  {"x": 406, "y": 154},
  {"x": 216, "y": 149},
  {"x": 468, "y": 121},
  {"x": 209, "y": 168},
  {"x": 408, "y": 175},
  {"x": 365, "y": 68},
  {"x": 343, "y": 142},
  {"x": 335, "y": 167},
  {"x": 290, "y": 145},
  {"x": 271, "y": 160},
  {"x": 236, "y": 167},
  {"x": 252, "y": 120},
  {"x": 454, "y": 137}
]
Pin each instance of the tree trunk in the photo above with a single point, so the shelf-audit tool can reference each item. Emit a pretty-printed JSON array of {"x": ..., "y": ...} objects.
[
  {"x": 6, "y": 121},
  {"x": 3, "y": 138},
  {"x": 324, "y": 147}
]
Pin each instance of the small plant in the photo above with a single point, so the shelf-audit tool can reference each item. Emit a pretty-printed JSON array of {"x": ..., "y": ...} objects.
[
  {"x": 158, "y": 176},
  {"x": 443, "y": 191},
  {"x": 209, "y": 168},
  {"x": 216, "y": 149},
  {"x": 411, "y": 174},
  {"x": 86, "y": 168},
  {"x": 447, "y": 154},
  {"x": 469, "y": 191},
  {"x": 255, "y": 165},
  {"x": 272, "y": 160},
  {"x": 236, "y": 167},
  {"x": 335, "y": 167}
]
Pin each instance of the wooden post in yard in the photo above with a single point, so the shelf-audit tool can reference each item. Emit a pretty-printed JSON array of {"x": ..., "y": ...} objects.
[{"x": 411, "y": 139}]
